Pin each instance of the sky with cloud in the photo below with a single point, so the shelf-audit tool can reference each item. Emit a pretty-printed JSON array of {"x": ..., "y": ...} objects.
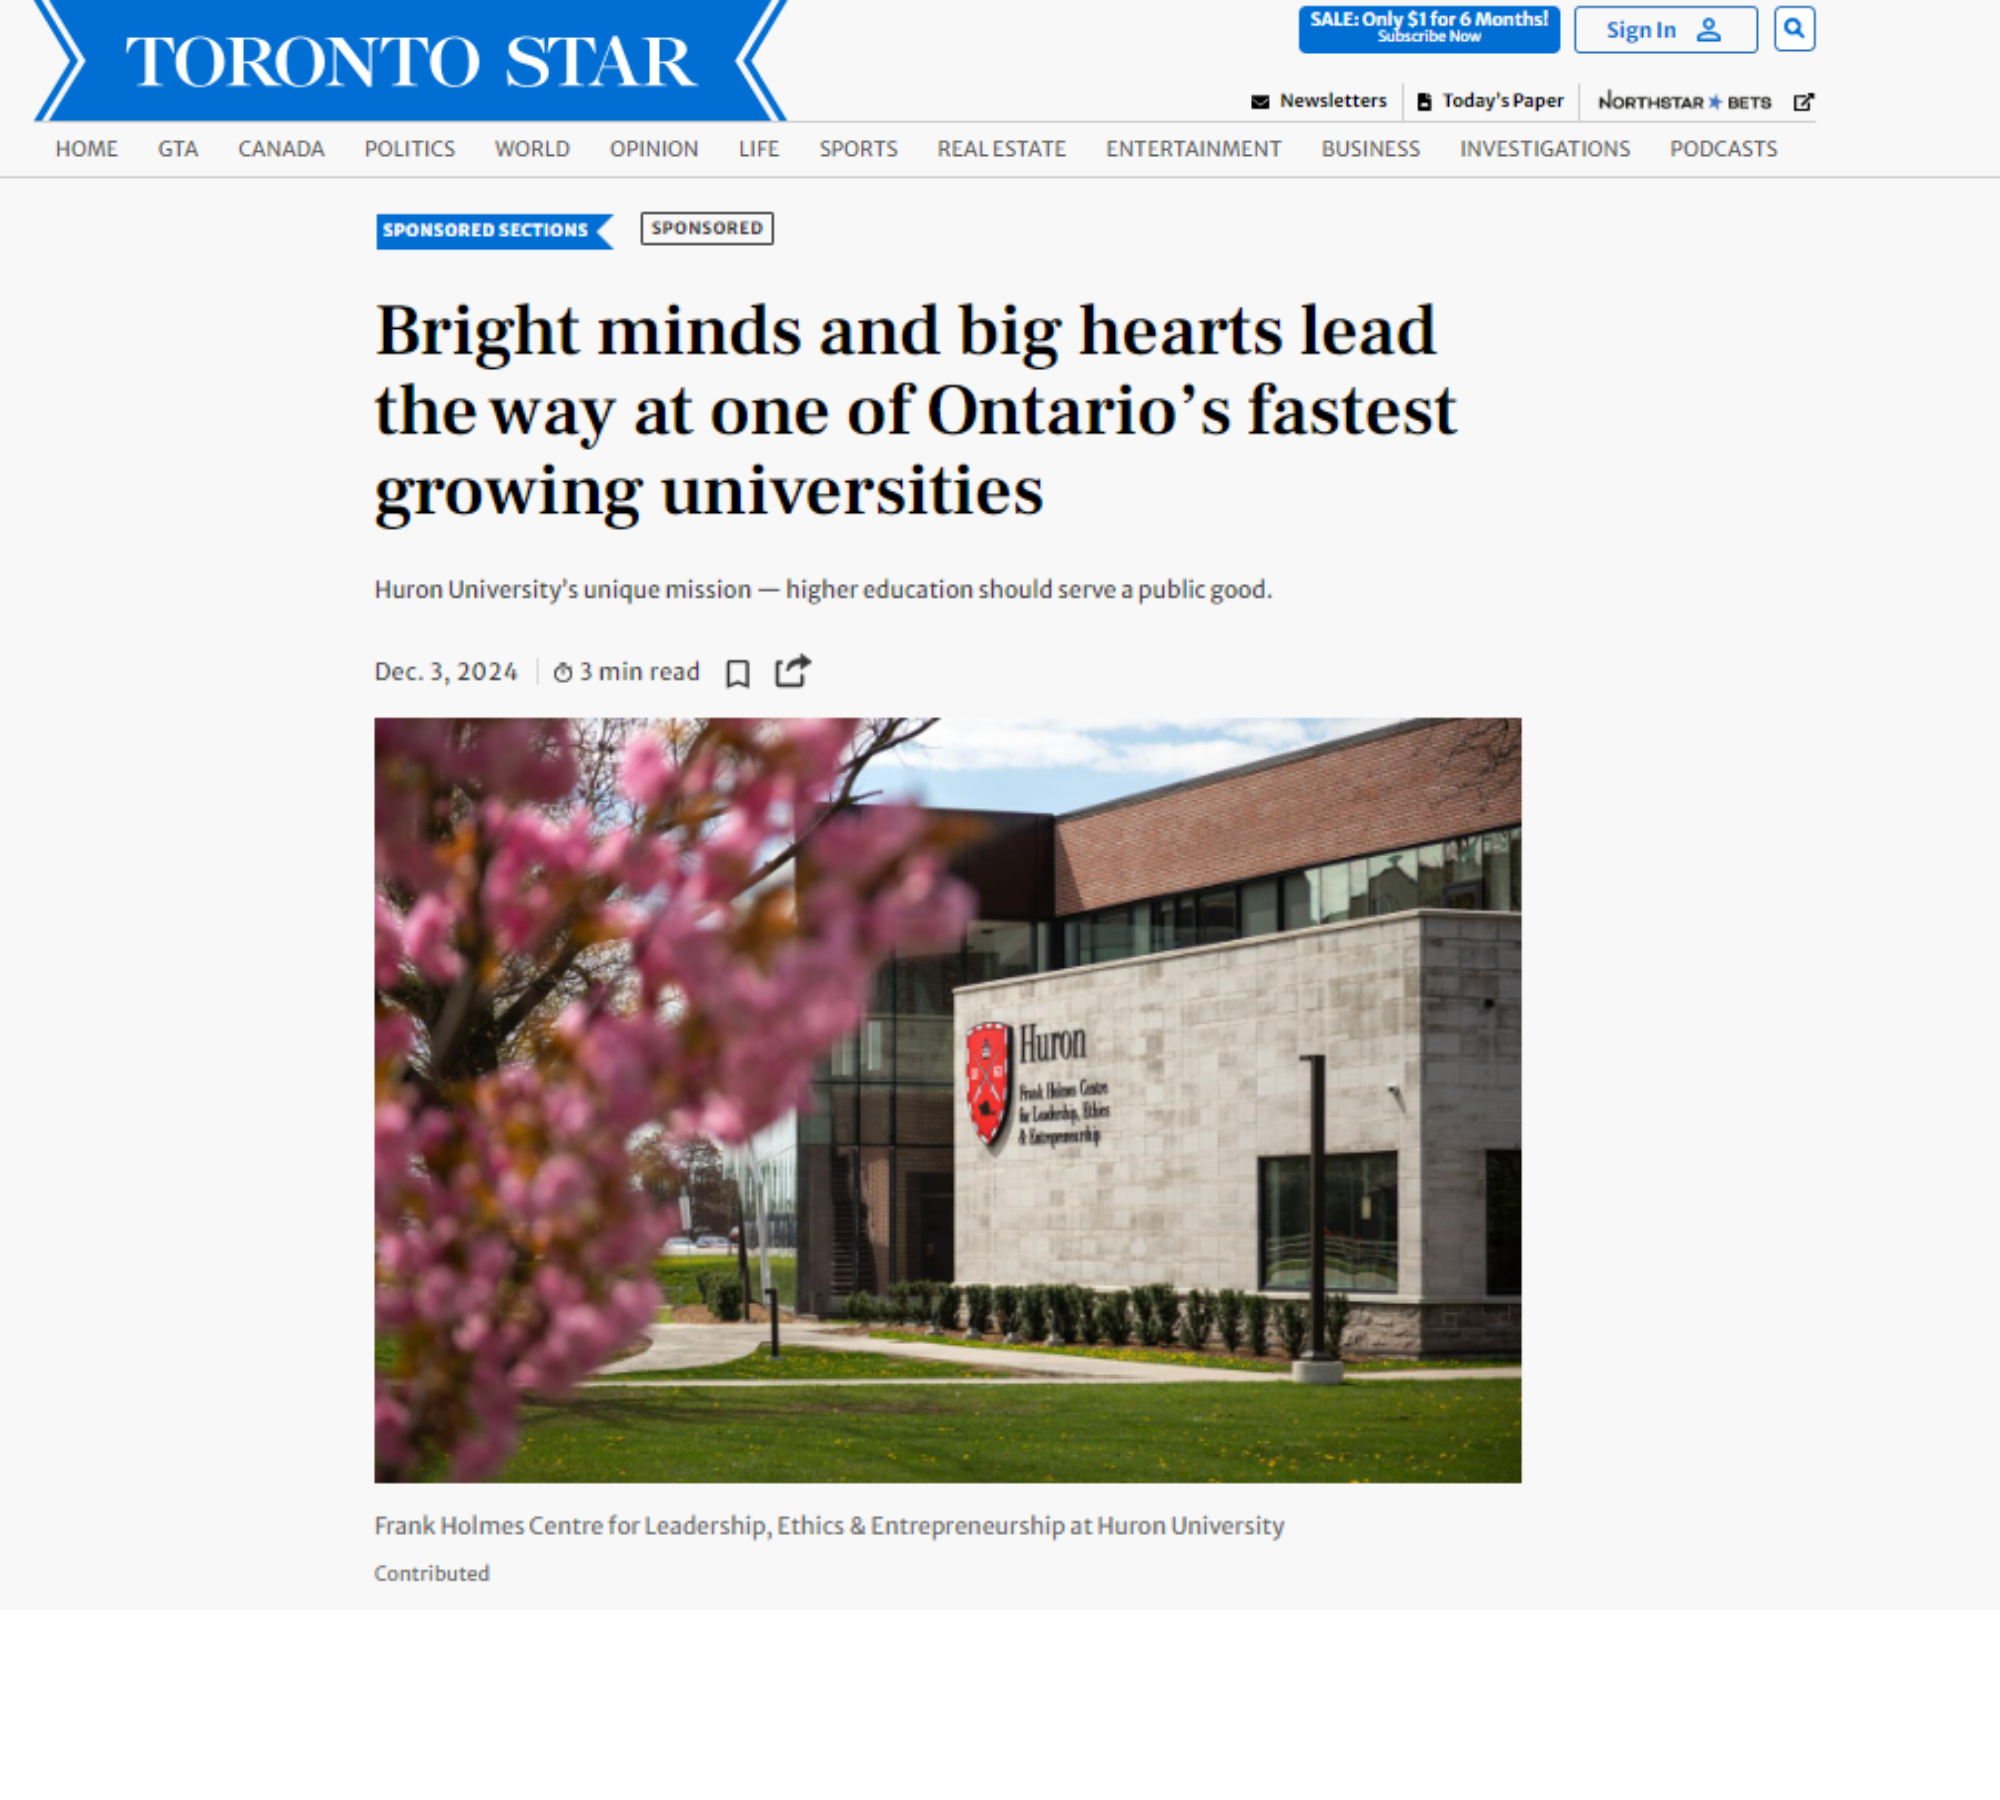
[{"x": 1047, "y": 765}]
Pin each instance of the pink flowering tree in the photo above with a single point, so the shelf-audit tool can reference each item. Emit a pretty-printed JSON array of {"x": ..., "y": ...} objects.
[{"x": 513, "y": 1245}]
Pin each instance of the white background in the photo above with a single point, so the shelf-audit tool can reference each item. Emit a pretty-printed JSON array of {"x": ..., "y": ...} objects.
[
  {"x": 1717, "y": 525},
  {"x": 1708, "y": 527}
]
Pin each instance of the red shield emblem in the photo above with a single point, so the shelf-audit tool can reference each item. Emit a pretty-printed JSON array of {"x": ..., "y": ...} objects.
[{"x": 989, "y": 1077}]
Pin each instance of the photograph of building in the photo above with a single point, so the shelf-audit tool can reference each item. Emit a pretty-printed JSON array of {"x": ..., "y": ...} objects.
[{"x": 1148, "y": 974}]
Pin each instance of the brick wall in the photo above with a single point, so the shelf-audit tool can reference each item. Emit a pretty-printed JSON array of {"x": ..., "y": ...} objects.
[{"x": 1411, "y": 785}]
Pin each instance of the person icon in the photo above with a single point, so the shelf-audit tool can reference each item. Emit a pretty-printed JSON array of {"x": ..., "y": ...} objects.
[{"x": 1708, "y": 34}]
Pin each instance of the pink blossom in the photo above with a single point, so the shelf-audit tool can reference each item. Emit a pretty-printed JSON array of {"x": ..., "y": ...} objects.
[
  {"x": 388, "y": 944},
  {"x": 394, "y": 1034},
  {"x": 645, "y": 774},
  {"x": 513, "y": 1244},
  {"x": 427, "y": 940}
]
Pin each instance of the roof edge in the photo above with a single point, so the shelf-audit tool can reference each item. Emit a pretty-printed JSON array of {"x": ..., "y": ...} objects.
[{"x": 1304, "y": 754}]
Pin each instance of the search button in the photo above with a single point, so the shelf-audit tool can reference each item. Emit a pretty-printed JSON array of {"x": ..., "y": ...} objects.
[{"x": 1795, "y": 28}]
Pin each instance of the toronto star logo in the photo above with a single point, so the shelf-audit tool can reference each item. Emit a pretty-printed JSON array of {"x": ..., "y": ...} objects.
[{"x": 989, "y": 1077}]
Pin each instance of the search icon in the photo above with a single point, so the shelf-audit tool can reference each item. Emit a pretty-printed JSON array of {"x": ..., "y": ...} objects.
[{"x": 1797, "y": 27}]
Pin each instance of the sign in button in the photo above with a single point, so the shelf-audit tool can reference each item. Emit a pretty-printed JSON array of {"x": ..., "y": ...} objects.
[
  {"x": 1666, "y": 30},
  {"x": 1430, "y": 30}
]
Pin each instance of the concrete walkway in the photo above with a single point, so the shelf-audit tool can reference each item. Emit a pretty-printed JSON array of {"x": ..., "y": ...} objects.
[
  {"x": 677, "y": 1382},
  {"x": 677, "y": 1348},
  {"x": 694, "y": 1347},
  {"x": 1031, "y": 1362},
  {"x": 1509, "y": 1373}
]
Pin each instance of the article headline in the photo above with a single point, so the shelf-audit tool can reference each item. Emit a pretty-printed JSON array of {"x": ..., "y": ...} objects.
[{"x": 950, "y": 411}]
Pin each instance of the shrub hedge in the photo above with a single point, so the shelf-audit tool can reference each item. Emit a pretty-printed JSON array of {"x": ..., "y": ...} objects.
[
  {"x": 1156, "y": 1314},
  {"x": 722, "y": 1293}
]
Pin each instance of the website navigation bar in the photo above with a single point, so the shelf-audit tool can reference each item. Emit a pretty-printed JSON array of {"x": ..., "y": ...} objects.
[{"x": 1449, "y": 126}]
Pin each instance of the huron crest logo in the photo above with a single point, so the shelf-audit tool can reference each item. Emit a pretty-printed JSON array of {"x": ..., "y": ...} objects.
[{"x": 989, "y": 1077}]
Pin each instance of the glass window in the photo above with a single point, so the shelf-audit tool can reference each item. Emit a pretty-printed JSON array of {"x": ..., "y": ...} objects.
[
  {"x": 1111, "y": 935},
  {"x": 1328, "y": 890},
  {"x": 835, "y": 1116},
  {"x": 1216, "y": 913},
  {"x": 924, "y": 1222},
  {"x": 1430, "y": 875},
  {"x": 1392, "y": 882},
  {"x": 1260, "y": 908},
  {"x": 1176, "y": 923},
  {"x": 924, "y": 984},
  {"x": 876, "y": 1037},
  {"x": 998, "y": 952},
  {"x": 924, "y": 1115},
  {"x": 842, "y": 1060},
  {"x": 925, "y": 1050},
  {"x": 1503, "y": 1221},
  {"x": 1514, "y": 862},
  {"x": 1073, "y": 938},
  {"x": 1464, "y": 874},
  {"x": 1361, "y": 1222},
  {"x": 1282, "y": 1208},
  {"x": 1499, "y": 872},
  {"x": 1361, "y": 1195},
  {"x": 815, "y": 1127},
  {"x": 1298, "y": 903},
  {"x": 874, "y": 1127}
]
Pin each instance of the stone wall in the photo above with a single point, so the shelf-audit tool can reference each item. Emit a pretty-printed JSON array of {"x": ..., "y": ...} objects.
[
  {"x": 1462, "y": 1328},
  {"x": 1198, "y": 1052},
  {"x": 1469, "y": 1086}
]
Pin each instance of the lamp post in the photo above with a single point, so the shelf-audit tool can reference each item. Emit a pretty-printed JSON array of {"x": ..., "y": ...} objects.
[{"x": 1316, "y": 1367}]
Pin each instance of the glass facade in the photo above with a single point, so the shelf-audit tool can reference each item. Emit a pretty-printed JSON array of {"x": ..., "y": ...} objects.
[
  {"x": 873, "y": 1190},
  {"x": 876, "y": 1144},
  {"x": 1361, "y": 1223},
  {"x": 1480, "y": 873}
]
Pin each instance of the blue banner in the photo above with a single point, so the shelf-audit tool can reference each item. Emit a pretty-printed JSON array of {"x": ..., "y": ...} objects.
[
  {"x": 1430, "y": 30},
  {"x": 491, "y": 231},
  {"x": 452, "y": 61}
]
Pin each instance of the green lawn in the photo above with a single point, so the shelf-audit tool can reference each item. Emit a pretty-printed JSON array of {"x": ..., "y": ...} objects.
[
  {"x": 815, "y": 1365},
  {"x": 1003, "y": 1432},
  {"x": 678, "y": 1275}
]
